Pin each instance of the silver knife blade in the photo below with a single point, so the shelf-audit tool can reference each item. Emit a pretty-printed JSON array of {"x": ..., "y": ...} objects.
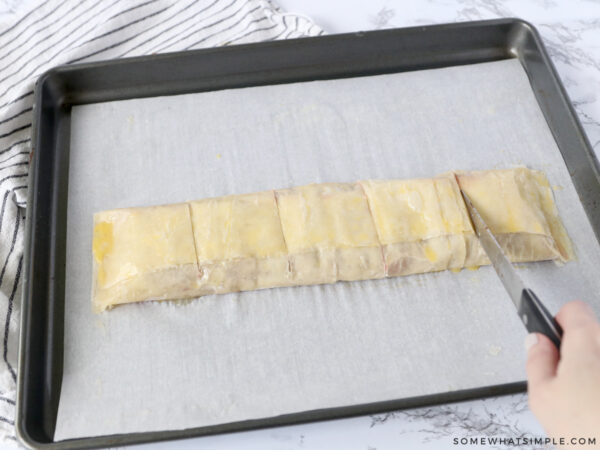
[{"x": 504, "y": 268}]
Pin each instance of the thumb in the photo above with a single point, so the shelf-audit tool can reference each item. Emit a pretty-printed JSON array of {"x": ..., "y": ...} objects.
[{"x": 542, "y": 359}]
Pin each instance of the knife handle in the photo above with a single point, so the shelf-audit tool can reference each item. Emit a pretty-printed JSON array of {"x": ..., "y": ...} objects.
[{"x": 537, "y": 318}]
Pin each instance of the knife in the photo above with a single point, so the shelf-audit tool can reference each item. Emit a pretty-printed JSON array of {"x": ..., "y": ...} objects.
[{"x": 532, "y": 312}]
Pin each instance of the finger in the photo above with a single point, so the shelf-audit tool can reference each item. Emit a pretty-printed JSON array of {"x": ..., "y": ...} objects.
[
  {"x": 542, "y": 359},
  {"x": 575, "y": 314}
]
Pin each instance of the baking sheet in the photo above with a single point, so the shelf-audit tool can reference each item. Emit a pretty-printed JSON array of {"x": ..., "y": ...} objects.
[{"x": 151, "y": 367}]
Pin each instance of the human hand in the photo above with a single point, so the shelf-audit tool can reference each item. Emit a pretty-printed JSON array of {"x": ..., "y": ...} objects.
[{"x": 564, "y": 390}]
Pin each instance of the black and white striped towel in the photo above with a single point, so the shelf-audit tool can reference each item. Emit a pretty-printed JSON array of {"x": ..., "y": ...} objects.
[{"x": 53, "y": 32}]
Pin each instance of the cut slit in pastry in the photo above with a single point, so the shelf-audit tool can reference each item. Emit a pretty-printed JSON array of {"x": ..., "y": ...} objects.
[{"x": 320, "y": 233}]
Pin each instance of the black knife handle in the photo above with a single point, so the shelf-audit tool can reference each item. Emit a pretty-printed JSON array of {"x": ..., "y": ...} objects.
[{"x": 537, "y": 319}]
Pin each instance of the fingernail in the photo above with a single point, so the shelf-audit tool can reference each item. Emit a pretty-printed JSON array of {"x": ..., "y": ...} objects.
[{"x": 530, "y": 340}]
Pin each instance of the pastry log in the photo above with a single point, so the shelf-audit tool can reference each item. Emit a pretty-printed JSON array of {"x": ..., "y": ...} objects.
[{"x": 320, "y": 233}]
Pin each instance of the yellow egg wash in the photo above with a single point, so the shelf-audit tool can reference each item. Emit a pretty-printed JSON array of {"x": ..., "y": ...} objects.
[{"x": 103, "y": 240}]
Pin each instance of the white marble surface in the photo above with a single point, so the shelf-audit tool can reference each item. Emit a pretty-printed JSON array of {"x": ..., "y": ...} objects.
[{"x": 571, "y": 33}]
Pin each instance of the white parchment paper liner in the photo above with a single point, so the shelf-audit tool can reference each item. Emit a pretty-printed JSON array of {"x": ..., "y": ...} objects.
[{"x": 150, "y": 367}]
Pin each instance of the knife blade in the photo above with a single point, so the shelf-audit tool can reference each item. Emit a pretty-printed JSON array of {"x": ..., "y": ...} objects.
[{"x": 533, "y": 314}]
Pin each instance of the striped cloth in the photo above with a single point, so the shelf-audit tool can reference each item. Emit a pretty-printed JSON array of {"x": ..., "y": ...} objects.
[{"x": 56, "y": 32}]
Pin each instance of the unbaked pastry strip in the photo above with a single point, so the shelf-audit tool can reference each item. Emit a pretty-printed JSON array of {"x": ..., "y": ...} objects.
[{"x": 320, "y": 233}]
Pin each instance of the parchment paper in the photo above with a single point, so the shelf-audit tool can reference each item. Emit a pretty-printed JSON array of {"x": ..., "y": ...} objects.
[{"x": 150, "y": 367}]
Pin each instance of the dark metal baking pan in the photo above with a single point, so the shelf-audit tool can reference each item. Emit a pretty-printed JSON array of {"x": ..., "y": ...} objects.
[{"x": 337, "y": 56}]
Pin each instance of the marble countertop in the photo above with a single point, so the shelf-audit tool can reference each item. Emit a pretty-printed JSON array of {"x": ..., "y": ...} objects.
[{"x": 571, "y": 32}]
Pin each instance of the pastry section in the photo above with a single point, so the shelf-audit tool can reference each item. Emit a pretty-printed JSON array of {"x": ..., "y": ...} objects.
[
  {"x": 329, "y": 233},
  {"x": 143, "y": 254},
  {"x": 239, "y": 243}
]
